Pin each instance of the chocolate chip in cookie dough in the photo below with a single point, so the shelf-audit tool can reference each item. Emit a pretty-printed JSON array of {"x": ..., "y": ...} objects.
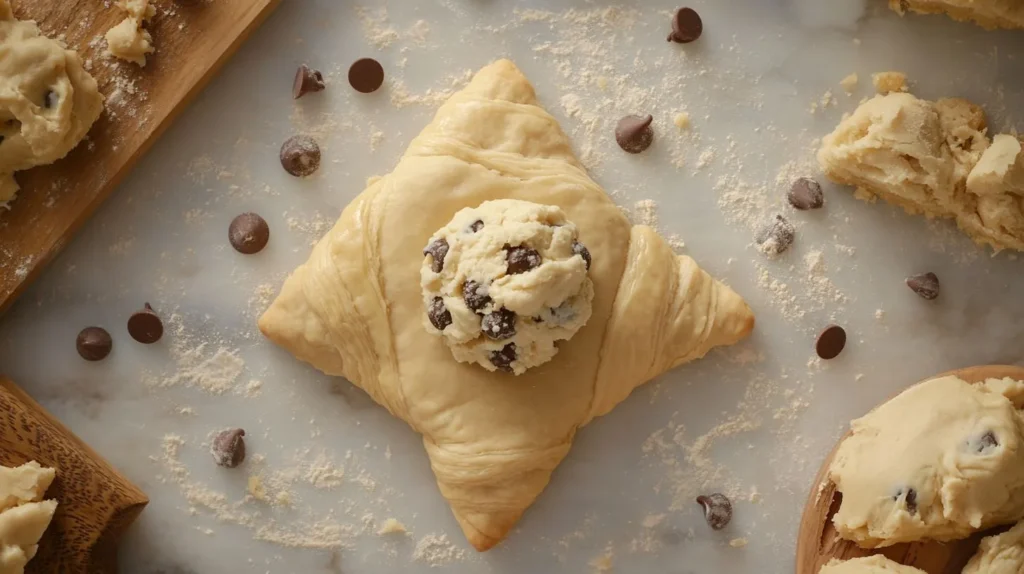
[
  {"x": 94, "y": 343},
  {"x": 985, "y": 442},
  {"x": 579, "y": 249},
  {"x": 521, "y": 259},
  {"x": 499, "y": 324},
  {"x": 50, "y": 99},
  {"x": 686, "y": 26},
  {"x": 475, "y": 295},
  {"x": 145, "y": 326},
  {"x": 805, "y": 193},
  {"x": 775, "y": 236},
  {"x": 438, "y": 249},
  {"x": 831, "y": 342},
  {"x": 248, "y": 233},
  {"x": 503, "y": 358},
  {"x": 366, "y": 75},
  {"x": 476, "y": 226},
  {"x": 307, "y": 80},
  {"x": 717, "y": 510},
  {"x": 911, "y": 499},
  {"x": 228, "y": 448},
  {"x": 925, "y": 284},
  {"x": 634, "y": 133},
  {"x": 439, "y": 315},
  {"x": 300, "y": 155}
]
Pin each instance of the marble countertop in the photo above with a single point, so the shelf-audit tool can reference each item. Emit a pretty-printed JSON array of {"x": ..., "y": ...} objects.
[{"x": 753, "y": 421}]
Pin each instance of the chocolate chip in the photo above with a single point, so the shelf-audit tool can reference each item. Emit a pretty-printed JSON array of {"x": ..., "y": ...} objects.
[
  {"x": 228, "y": 448},
  {"x": 926, "y": 285},
  {"x": 366, "y": 75},
  {"x": 145, "y": 326},
  {"x": 300, "y": 155},
  {"x": 805, "y": 193},
  {"x": 686, "y": 26},
  {"x": 476, "y": 226},
  {"x": 717, "y": 510},
  {"x": 248, "y": 233},
  {"x": 987, "y": 441},
  {"x": 634, "y": 133},
  {"x": 521, "y": 259},
  {"x": 831, "y": 342},
  {"x": 911, "y": 499},
  {"x": 579, "y": 249},
  {"x": 440, "y": 317},
  {"x": 94, "y": 343},
  {"x": 775, "y": 236},
  {"x": 475, "y": 295},
  {"x": 499, "y": 324},
  {"x": 50, "y": 99},
  {"x": 438, "y": 249},
  {"x": 503, "y": 358},
  {"x": 307, "y": 80}
]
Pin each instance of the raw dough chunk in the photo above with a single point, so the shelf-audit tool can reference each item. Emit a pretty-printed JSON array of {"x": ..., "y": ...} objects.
[
  {"x": 940, "y": 461},
  {"x": 128, "y": 40},
  {"x": 355, "y": 308},
  {"x": 24, "y": 516},
  {"x": 507, "y": 280},
  {"x": 1000, "y": 554},
  {"x": 877, "y": 564},
  {"x": 47, "y": 100},
  {"x": 931, "y": 158},
  {"x": 987, "y": 13},
  {"x": 886, "y": 82}
]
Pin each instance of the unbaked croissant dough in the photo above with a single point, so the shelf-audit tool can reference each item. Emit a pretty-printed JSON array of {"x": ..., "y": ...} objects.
[{"x": 355, "y": 308}]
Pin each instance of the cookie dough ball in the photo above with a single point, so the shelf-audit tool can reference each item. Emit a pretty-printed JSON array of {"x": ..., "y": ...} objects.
[
  {"x": 504, "y": 281},
  {"x": 939, "y": 461}
]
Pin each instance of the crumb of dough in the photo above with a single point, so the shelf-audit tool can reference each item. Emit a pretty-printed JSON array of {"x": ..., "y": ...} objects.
[
  {"x": 738, "y": 542},
  {"x": 886, "y": 82},
  {"x": 256, "y": 488},
  {"x": 128, "y": 40},
  {"x": 849, "y": 83},
  {"x": 391, "y": 526},
  {"x": 682, "y": 120},
  {"x": 603, "y": 562}
]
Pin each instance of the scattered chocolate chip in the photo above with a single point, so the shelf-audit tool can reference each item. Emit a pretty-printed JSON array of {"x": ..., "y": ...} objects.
[
  {"x": 50, "y": 99},
  {"x": 805, "y": 193},
  {"x": 926, "y": 285},
  {"x": 579, "y": 249},
  {"x": 94, "y": 343},
  {"x": 300, "y": 155},
  {"x": 476, "y": 226},
  {"x": 831, "y": 342},
  {"x": 521, "y": 259},
  {"x": 503, "y": 358},
  {"x": 145, "y": 326},
  {"x": 499, "y": 324},
  {"x": 440, "y": 317},
  {"x": 438, "y": 249},
  {"x": 228, "y": 448},
  {"x": 248, "y": 233},
  {"x": 987, "y": 441},
  {"x": 475, "y": 295},
  {"x": 717, "y": 510},
  {"x": 307, "y": 80},
  {"x": 686, "y": 26},
  {"x": 366, "y": 75},
  {"x": 775, "y": 236},
  {"x": 634, "y": 133}
]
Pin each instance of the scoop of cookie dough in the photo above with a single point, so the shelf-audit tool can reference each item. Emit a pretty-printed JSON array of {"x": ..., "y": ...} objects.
[
  {"x": 940, "y": 461},
  {"x": 47, "y": 100},
  {"x": 504, "y": 281},
  {"x": 1000, "y": 554},
  {"x": 876, "y": 564}
]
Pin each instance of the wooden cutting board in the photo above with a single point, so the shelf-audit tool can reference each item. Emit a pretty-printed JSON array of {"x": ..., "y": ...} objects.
[
  {"x": 193, "y": 38},
  {"x": 95, "y": 504},
  {"x": 818, "y": 542}
]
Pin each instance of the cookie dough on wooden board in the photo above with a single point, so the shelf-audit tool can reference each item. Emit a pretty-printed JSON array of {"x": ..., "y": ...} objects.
[
  {"x": 128, "y": 40},
  {"x": 24, "y": 515},
  {"x": 355, "y": 307},
  {"x": 47, "y": 100},
  {"x": 932, "y": 158},
  {"x": 877, "y": 564},
  {"x": 940, "y": 461},
  {"x": 987, "y": 13}
]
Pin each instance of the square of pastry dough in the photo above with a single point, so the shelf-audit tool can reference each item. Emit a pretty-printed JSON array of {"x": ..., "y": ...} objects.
[{"x": 355, "y": 308}]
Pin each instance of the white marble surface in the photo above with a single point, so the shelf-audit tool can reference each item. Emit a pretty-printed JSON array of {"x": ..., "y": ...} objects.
[{"x": 756, "y": 417}]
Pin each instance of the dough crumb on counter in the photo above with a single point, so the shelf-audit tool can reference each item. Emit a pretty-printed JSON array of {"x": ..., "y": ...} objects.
[
  {"x": 849, "y": 83},
  {"x": 682, "y": 120},
  {"x": 392, "y": 526},
  {"x": 128, "y": 40},
  {"x": 886, "y": 82},
  {"x": 738, "y": 542}
]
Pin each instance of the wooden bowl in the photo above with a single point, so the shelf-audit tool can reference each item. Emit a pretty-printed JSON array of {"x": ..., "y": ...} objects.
[{"x": 818, "y": 542}]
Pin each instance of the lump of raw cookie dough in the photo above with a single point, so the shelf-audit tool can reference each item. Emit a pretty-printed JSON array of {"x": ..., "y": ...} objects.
[
  {"x": 920, "y": 155},
  {"x": 502, "y": 282},
  {"x": 24, "y": 516},
  {"x": 49, "y": 100},
  {"x": 1000, "y": 554},
  {"x": 128, "y": 40},
  {"x": 877, "y": 564},
  {"x": 939, "y": 461},
  {"x": 986, "y": 13}
]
